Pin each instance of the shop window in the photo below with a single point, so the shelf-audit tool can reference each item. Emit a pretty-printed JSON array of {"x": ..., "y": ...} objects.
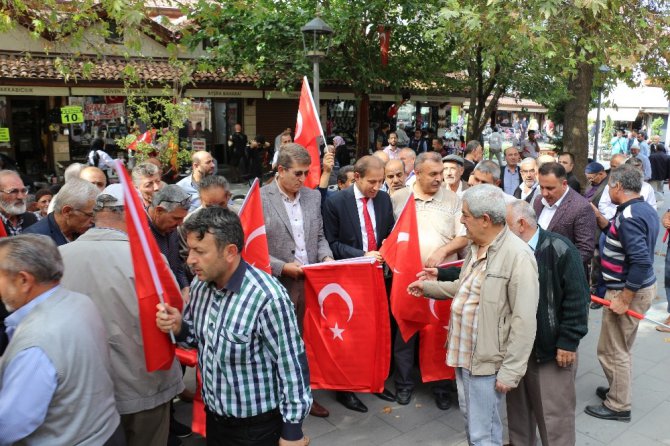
[{"x": 115, "y": 33}]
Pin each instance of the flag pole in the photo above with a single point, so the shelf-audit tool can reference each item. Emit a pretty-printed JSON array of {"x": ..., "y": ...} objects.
[
  {"x": 143, "y": 241},
  {"x": 630, "y": 313}
]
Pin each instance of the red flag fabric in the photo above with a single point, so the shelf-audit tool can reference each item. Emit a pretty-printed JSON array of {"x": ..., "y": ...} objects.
[
  {"x": 401, "y": 252},
  {"x": 146, "y": 137},
  {"x": 189, "y": 358},
  {"x": 154, "y": 281},
  {"x": 3, "y": 231},
  {"x": 432, "y": 339},
  {"x": 253, "y": 224},
  {"x": 346, "y": 327},
  {"x": 384, "y": 42},
  {"x": 307, "y": 132}
]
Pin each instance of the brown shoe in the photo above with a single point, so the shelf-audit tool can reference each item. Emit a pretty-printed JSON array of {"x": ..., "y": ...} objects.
[{"x": 318, "y": 410}]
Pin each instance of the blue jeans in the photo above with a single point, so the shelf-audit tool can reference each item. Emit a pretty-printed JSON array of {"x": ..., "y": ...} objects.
[{"x": 480, "y": 405}]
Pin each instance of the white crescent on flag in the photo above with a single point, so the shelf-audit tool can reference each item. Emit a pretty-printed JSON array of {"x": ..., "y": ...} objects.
[
  {"x": 298, "y": 126},
  {"x": 335, "y": 288},
  {"x": 431, "y": 305},
  {"x": 256, "y": 233},
  {"x": 402, "y": 237}
]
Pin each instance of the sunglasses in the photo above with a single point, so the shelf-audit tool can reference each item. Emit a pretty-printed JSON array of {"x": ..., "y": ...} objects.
[{"x": 299, "y": 173}]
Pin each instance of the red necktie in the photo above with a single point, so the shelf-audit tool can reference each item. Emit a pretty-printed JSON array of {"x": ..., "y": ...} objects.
[{"x": 369, "y": 230}]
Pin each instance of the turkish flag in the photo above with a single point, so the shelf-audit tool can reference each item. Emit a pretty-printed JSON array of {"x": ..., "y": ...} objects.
[
  {"x": 346, "y": 327},
  {"x": 401, "y": 252},
  {"x": 307, "y": 132},
  {"x": 189, "y": 358},
  {"x": 432, "y": 339},
  {"x": 253, "y": 224},
  {"x": 384, "y": 42},
  {"x": 154, "y": 281},
  {"x": 145, "y": 137}
]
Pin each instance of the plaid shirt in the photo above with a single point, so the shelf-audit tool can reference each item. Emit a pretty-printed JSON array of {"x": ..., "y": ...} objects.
[
  {"x": 464, "y": 313},
  {"x": 249, "y": 348},
  {"x": 11, "y": 229}
]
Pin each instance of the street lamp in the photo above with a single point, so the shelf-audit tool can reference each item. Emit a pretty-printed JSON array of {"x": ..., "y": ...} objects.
[
  {"x": 604, "y": 69},
  {"x": 316, "y": 36}
]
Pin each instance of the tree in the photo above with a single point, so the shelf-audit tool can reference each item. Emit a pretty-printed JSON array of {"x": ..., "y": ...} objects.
[{"x": 276, "y": 57}]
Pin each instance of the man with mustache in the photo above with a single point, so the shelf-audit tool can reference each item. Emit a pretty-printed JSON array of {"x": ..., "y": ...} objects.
[{"x": 13, "y": 203}]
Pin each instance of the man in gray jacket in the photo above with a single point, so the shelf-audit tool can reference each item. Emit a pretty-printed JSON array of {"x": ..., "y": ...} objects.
[
  {"x": 99, "y": 265},
  {"x": 493, "y": 323}
]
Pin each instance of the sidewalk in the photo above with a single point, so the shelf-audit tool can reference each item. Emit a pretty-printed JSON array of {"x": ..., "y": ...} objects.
[{"x": 421, "y": 422}]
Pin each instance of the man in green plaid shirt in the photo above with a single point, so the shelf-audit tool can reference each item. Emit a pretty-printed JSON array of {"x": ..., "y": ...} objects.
[{"x": 255, "y": 382}]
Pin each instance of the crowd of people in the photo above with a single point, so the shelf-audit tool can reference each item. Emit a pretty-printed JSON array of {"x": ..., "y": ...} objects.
[{"x": 534, "y": 248}]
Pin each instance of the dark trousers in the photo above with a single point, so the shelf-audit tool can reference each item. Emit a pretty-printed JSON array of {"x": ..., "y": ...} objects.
[
  {"x": 117, "y": 438},
  {"x": 404, "y": 353},
  {"x": 260, "y": 430}
]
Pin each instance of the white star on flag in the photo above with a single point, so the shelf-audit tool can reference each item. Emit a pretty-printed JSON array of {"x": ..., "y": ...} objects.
[{"x": 337, "y": 332}]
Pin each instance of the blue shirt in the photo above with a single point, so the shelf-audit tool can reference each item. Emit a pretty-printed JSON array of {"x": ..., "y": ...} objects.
[
  {"x": 534, "y": 239},
  {"x": 511, "y": 180},
  {"x": 28, "y": 383},
  {"x": 646, "y": 165},
  {"x": 192, "y": 189}
]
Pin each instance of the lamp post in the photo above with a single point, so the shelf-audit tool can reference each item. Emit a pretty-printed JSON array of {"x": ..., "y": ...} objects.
[
  {"x": 316, "y": 36},
  {"x": 603, "y": 69}
]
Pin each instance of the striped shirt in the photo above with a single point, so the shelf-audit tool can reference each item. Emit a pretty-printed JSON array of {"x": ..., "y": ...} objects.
[
  {"x": 465, "y": 311},
  {"x": 250, "y": 352}
]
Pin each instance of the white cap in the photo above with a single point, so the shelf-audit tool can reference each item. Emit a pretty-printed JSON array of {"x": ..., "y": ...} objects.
[{"x": 113, "y": 190}]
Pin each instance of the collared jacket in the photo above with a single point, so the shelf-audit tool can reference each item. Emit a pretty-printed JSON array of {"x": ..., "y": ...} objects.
[
  {"x": 562, "y": 312},
  {"x": 507, "y": 309}
]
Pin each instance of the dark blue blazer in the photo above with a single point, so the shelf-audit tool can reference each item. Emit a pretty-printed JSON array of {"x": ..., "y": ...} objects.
[
  {"x": 47, "y": 226},
  {"x": 342, "y": 226}
]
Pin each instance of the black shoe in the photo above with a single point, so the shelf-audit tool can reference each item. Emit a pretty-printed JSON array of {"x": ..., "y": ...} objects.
[
  {"x": 442, "y": 401},
  {"x": 179, "y": 430},
  {"x": 605, "y": 413},
  {"x": 173, "y": 440},
  {"x": 403, "y": 396},
  {"x": 595, "y": 306},
  {"x": 351, "y": 401},
  {"x": 602, "y": 392},
  {"x": 386, "y": 395}
]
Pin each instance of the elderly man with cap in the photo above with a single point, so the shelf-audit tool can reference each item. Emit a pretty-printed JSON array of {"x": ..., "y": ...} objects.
[
  {"x": 452, "y": 173},
  {"x": 142, "y": 398},
  {"x": 72, "y": 215},
  {"x": 596, "y": 177}
]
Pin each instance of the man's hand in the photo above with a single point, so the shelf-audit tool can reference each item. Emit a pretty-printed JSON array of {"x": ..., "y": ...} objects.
[
  {"x": 619, "y": 306},
  {"x": 416, "y": 288},
  {"x": 327, "y": 259},
  {"x": 168, "y": 318},
  {"x": 436, "y": 257},
  {"x": 304, "y": 441},
  {"x": 565, "y": 358},
  {"x": 427, "y": 274},
  {"x": 601, "y": 221},
  {"x": 666, "y": 219},
  {"x": 292, "y": 270},
  {"x": 376, "y": 255},
  {"x": 328, "y": 161},
  {"x": 502, "y": 388}
]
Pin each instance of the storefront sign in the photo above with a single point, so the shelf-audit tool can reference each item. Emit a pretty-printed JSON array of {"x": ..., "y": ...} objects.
[
  {"x": 337, "y": 96},
  {"x": 384, "y": 97},
  {"x": 118, "y": 91},
  {"x": 71, "y": 115},
  {"x": 34, "y": 91},
  {"x": 214, "y": 93},
  {"x": 455, "y": 113},
  {"x": 4, "y": 134},
  {"x": 198, "y": 144},
  {"x": 101, "y": 112}
]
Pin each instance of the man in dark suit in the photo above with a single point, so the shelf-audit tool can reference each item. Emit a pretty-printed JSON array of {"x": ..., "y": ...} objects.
[
  {"x": 356, "y": 221},
  {"x": 294, "y": 229},
  {"x": 567, "y": 160},
  {"x": 562, "y": 210}
]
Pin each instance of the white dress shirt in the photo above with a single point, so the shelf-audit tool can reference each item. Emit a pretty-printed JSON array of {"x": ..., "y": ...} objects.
[
  {"x": 608, "y": 209},
  {"x": 548, "y": 212},
  {"x": 294, "y": 211},
  {"x": 371, "y": 210}
]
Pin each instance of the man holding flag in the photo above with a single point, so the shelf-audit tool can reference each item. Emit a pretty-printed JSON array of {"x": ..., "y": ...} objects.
[
  {"x": 493, "y": 313},
  {"x": 441, "y": 237},
  {"x": 294, "y": 229},
  {"x": 356, "y": 221},
  {"x": 142, "y": 397}
]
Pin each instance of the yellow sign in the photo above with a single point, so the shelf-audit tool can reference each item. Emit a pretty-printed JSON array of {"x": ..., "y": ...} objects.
[
  {"x": 455, "y": 113},
  {"x": 4, "y": 134},
  {"x": 72, "y": 114}
]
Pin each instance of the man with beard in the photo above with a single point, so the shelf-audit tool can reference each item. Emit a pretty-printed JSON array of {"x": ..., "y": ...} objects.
[
  {"x": 392, "y": 149},
  {"x": 528, "y": 189},
  {"x": 203, "y": 165},
  {"x": 13, "y": 194}
]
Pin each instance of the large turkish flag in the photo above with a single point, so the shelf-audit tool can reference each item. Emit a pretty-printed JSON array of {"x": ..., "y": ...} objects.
[
  {"x": 401, "y": 252},
  {"x": 154, "y": 281},
  {"x": 308, "y": 133},
  {"x": 432, "y": 340},
  {"x": 255, "y": 250},
  {"x": 346, "y": 327}
]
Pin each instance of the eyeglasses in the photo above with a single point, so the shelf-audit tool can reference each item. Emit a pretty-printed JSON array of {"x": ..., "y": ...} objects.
[
  {"x": 182, "y": 203},
  {"x": 527, "y": 171},
  {"x": 88, "y": 214},
  {"x": 15, "y": 191},
  {"x": 299, "y": 173}
]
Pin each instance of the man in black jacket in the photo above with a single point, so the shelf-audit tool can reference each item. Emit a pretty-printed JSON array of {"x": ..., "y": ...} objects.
[{"x": 545, "y": 398}]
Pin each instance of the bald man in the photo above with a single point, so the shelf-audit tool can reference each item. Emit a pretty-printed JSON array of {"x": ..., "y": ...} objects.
[
  {"x": 394, "y": 175},
  {"x": 202, "y": 166},
  {"x": 95, "y": 176}
]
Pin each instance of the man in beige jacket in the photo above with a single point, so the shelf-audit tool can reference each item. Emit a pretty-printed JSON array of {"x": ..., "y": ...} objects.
[{"x": 492, "y": 327}]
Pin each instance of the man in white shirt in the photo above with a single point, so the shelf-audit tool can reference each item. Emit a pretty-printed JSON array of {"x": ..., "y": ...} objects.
[
  {"x": 606, "y": 207},
  {"x": 392, "y": 150}
]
